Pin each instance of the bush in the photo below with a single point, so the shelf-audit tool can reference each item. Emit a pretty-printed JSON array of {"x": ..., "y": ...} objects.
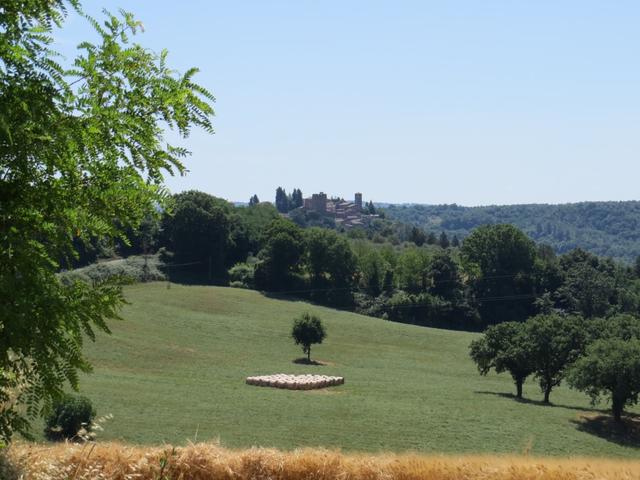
[
  {"x": 241, "y": 275},
  {"x": 69, "y": 416},
  {"x": 134, "y": 268}
]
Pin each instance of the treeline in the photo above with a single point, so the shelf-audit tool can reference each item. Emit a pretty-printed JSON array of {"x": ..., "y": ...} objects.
[
  {"x": 609, "y": 229},
  {"x": 600, "y": 357},
  {"x": 497, "y": 274}
]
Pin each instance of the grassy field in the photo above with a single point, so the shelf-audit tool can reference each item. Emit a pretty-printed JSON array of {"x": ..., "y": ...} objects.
[{"x": 174, "y": 371}]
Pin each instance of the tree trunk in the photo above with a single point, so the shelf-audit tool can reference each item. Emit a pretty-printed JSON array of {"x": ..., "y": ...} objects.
[
  {"x": 519, "y": 387},
  {"x": 617, "y": 407},
  {"x": 547, "y": 392},
  {"x": 309, "y": 354}
]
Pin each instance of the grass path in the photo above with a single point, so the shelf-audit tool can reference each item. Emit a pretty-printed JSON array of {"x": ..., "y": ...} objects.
[{"x": 174, "y": 371}]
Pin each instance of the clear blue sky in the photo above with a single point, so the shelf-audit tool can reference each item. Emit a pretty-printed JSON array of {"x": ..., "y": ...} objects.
[{"x": 469, "y": 102}]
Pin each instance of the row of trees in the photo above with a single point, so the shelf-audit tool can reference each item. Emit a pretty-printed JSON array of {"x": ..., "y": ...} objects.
[
  {"x": 420, "y": 237},
  {"x": 286, "y": 203},
  {"x": 600, "y": 356}
]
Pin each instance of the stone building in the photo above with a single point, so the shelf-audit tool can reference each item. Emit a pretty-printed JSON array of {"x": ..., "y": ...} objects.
[
  {"x": 358, "y": 200},
  {"x": 346, "y": 214}
]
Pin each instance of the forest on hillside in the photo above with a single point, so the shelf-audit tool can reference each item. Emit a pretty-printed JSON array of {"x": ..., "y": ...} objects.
[{"x": 610, "y": 229}]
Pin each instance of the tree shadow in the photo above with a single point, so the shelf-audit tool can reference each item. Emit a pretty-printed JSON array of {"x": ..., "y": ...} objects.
[
  {"x": 540, "y": 403},
  {"x": 305, "y": 361},
  {"x": 625, "y": 433}
]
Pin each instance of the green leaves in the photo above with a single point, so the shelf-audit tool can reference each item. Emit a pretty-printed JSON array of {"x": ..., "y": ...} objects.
[
  {"x": 82, "y": 156},
  {"x": 611, "y": 369}
]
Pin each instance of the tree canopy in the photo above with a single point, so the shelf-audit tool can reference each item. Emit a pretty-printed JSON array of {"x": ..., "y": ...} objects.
[
  {"x": 81, "y": 144},
  {"x": 308, "y": 330},
  {"x": 502, "y": 259},
  {"x": 504, "y": 348},
  {"x": 610, "y": 369}
]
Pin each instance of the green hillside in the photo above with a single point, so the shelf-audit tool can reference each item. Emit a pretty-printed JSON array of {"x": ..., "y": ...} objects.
[
  {"x": 174, "y": 370},
  {"x": 609, "y": 229}
]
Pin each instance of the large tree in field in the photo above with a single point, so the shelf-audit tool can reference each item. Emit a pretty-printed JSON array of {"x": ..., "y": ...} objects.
[
  {"x": 504, "y": 348},
  {"x": 82, "y": 156},
  {"x": 307, "y": 330},
  {"x": 500, "y": 260},
  {"x": 555, "y": 342},
  {"x": 610, "y": 369}
]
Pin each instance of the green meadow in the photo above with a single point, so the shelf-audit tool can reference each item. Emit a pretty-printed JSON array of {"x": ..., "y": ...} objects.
[{"x": 173, "y": 371}]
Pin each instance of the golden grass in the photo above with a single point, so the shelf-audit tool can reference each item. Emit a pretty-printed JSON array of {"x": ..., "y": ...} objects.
[{"x": 208, "y": 461}]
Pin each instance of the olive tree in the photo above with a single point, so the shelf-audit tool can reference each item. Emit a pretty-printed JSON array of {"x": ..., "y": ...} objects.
[
  {"x": 82, "y": 156},
  {"x": 307, "y": 330}
]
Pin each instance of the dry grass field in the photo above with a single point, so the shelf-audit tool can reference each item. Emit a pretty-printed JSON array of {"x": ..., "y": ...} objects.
[{"x": 116, "y": 461}]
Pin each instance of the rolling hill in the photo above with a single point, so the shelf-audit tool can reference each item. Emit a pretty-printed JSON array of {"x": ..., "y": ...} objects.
[
  {"x": 605, "y": 228},
  {"x": 174, "y": 371}
]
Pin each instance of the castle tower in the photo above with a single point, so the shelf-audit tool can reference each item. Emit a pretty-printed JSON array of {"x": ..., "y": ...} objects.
[
  {"x": 358, "y": 201},
  {"x": 319, "y": 202}
]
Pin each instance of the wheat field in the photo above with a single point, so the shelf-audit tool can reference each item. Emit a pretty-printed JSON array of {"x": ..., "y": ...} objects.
[{"x": 116, "y": 461}]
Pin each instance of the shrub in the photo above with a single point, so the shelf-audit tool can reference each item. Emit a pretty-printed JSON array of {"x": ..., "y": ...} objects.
[
  {"x": 68, "y": 417},
  {"x": 241, "y": 275},
  {"x": 134, "y": 268}
]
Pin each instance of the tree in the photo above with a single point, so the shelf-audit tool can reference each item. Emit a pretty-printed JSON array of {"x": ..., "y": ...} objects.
[
  {"x": 296, "y": 199},
  {"x": 446, "y": 281},
  {"x": 282, "y": 201},
  {"x": 500, "y": 260},
  {"x": 431, "y": 239},
  {"x": 504, "y": 348},
  {"x": 253, "y": 201},
  {"x": 332, "y": 265},
  {"x": 554, "y": 342},
  {"x": 81, "y": 145},
  {"x": 589, "y": 285},
  {"x": 455, "y": 242},
  {"x": 444, "y": 240},
  {"x": 417, "y": 236},
  {"x": 636, "y": 267},
  {"x": 308, "y": 330},
  {"x": 252, "y": 223},
  {"x": 197, "y": 231},
  {"x": 610, "y": 368},
  {"x": 413, "y": 270},
  {"x": 281, "y": 255}
]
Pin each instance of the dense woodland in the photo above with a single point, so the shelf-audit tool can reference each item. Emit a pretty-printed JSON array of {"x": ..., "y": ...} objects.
[
  {"x": 496, "y": 274},
  {"x": 609, "y": 229}
]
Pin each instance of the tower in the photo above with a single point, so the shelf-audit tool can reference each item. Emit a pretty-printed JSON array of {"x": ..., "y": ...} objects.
[{"x": 358, "y": 200}]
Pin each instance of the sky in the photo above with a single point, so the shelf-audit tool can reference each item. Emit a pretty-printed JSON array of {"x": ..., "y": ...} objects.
[{"x": 468, "y": 102}]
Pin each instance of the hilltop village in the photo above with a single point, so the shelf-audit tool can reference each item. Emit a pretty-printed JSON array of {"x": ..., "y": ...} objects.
[{"x": 345, "y": 214}]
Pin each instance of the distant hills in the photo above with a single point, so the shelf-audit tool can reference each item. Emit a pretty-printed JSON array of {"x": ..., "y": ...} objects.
[{"x": 605, "y": 228}]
